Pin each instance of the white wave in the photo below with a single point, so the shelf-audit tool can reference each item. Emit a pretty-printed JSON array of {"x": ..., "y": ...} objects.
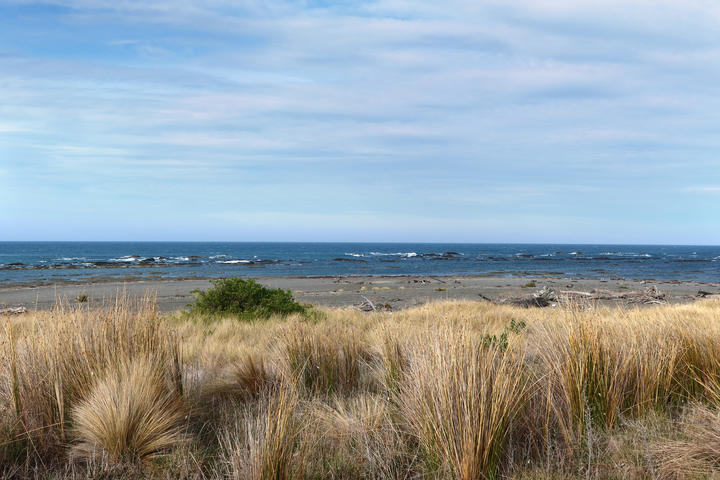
[
  {"x": 182, "y": 259},
  {"x": 355, "y": 254},
  {"x": 394, "y": 254},
  {"x": 126, "y": 258},
  {"x": 234, "y": 261},
  {"x": 70, "y": 259},
  {"x": 218, "y": 256},
  {"x": 575, "y": 253},
  {"x": 625, "y": 254}
]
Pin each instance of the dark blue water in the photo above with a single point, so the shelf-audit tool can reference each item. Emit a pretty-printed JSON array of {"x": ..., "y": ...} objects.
[{"x": 50, "y": 262}]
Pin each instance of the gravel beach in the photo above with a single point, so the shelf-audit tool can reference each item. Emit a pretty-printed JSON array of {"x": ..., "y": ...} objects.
[{"x": 395, "y": 292}]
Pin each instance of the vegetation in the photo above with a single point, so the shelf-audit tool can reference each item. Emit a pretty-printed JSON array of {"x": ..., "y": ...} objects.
[
  {"x": 448, "y": 390},
  {"x": 246, "y": 299}
]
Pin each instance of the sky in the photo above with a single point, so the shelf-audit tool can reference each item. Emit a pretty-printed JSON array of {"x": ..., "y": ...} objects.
[{"x": 551, "y": 121}]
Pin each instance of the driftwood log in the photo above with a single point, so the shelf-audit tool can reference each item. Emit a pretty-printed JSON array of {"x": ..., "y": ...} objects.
[
  {"x": 12, "y": 310},
  {"x": 650, "y": 296},
  {"x": 544, "y": 297},
  {"x": 367, "y": 305},
  {"x": 547, "y": 297}
]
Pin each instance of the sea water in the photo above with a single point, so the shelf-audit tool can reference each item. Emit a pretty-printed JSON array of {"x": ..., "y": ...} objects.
[{"x": 54, "y": 262}]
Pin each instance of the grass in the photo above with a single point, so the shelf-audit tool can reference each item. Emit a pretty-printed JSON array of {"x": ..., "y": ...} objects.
[
  {"x": 449, "y": 390},
  {"x": 131, "y": 415}
]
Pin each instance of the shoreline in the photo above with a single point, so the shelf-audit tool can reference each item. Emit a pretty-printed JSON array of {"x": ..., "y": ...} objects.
[{"x": 394, "y": 291}]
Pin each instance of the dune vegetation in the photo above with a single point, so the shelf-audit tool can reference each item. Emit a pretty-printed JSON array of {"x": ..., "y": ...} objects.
[{"x": 451, "y": 390}]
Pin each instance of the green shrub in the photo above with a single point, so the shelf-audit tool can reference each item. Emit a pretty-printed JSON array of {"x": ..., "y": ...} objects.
[{"x": 246, "y": 299}]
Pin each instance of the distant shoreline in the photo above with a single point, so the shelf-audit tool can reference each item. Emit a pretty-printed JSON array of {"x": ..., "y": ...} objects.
[
  {"x": 63, "y": 282},
  {"x": 395, "y": 291}
]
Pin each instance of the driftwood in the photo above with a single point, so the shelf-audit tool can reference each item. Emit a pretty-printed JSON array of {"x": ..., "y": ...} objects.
[
  {"x": 650, "y": 296},
  {"x": 367, "y": 305},
  {"x": 13, "y": 310},
  {"x": 544, "y": 297},
  {"x": 708, "y": 295},
  {"x": 547, "y": 297}
]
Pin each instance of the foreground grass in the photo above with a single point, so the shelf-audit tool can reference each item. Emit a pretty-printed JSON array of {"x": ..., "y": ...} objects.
[{"x": 455, "y": 390}]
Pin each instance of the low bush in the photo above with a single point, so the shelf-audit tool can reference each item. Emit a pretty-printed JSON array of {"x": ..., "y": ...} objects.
[{"x": 245, "y": 299}]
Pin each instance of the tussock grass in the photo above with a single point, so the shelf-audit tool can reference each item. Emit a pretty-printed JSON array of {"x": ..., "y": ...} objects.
[
  {"x": 695, "y": 453},
  {"x": 448, "y": 390},
  {"x": 246, "y": 378},
  {"x": 265, "y": 442},
  {"x": 130, "y": 415},
  {"x": 459, "y": 396},
  {"x": 52, "y": 360},
  {"x": 324, "y": 358}
]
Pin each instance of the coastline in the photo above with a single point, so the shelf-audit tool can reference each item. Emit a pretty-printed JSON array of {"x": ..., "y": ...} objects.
[{"x": 396, "y": 292}]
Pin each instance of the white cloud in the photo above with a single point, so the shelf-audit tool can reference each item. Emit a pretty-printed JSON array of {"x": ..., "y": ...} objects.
[
  {"x": 433, "y": 98},
  {"x": 12, "y": 128},
  {"x": 702, "y": 189}
]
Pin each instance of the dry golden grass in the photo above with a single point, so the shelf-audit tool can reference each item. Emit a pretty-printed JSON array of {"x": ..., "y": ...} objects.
[
  {"x": 265, "y": 442},
  {"x": 130, "y": 415},
  {"x": 459, "y": 396},
  {"x": 456, "y": 390}
]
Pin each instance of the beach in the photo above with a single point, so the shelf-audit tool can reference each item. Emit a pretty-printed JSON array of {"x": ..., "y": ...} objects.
[{"x": 383, "y": 292}]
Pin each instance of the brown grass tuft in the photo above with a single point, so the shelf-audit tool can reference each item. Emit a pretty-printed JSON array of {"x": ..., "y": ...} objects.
[
  {"x": 325, "y": 359},
  {"x": 459, "y": 398},
  {"x": 130, "y": 415},
  {"x": 265, "y": 441}
]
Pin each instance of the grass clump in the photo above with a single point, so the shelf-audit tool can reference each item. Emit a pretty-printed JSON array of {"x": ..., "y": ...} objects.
[
  {"x": 245, "y": 299},
  {"x": 130, "y": 416},
  {"x": 462, "y": 416},
  {"x": 265, "y": 442}
]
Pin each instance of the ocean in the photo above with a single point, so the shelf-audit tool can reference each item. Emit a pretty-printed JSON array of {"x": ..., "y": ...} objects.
[{"x": 63, "y": 262}]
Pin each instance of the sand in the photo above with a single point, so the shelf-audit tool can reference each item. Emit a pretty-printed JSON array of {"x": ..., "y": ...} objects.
[{"x": 343, "y": 291}]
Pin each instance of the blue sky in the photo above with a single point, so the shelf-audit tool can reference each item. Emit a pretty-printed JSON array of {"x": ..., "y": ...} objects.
[{"x": 467, "y": 121}]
